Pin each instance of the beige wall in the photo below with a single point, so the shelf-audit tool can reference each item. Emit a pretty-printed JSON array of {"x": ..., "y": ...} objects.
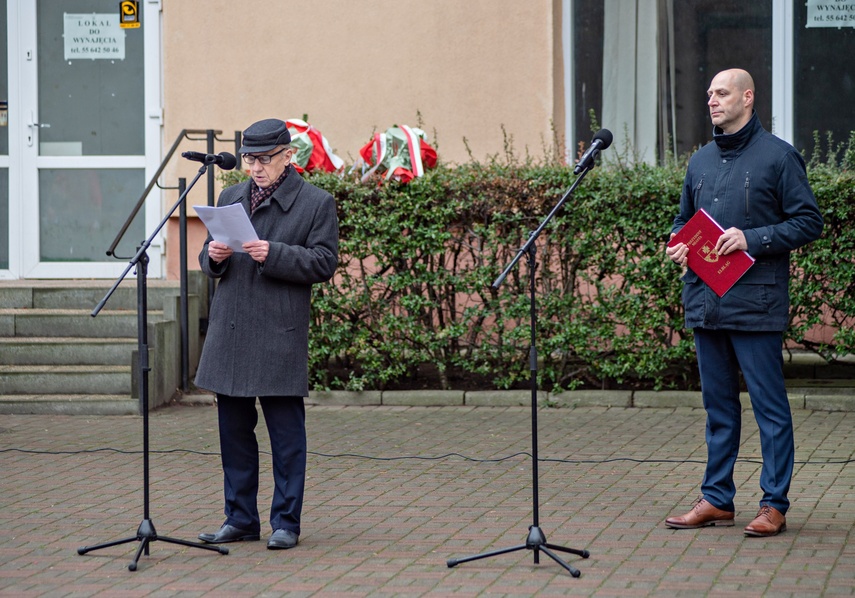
[{"x": 467, "y": 66}]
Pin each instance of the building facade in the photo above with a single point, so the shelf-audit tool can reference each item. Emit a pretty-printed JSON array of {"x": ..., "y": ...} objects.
[{"x": 90, "y": 103}]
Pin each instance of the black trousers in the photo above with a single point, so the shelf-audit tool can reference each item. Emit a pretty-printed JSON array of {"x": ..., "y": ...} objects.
[{"x": 286, "y": 425}]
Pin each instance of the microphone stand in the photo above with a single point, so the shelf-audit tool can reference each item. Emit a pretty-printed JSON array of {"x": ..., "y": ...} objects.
[
  {"x": 536, "y": 539},
  {"x": 146, "y": 533}
]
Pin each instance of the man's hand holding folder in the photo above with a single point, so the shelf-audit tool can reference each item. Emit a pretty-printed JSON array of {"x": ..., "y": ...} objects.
[{"x": 707, "y": 255}]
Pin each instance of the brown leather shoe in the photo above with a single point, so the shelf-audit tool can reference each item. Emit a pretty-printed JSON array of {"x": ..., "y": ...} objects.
[
  {"x": 769, "y": 522},
  {"x": 703, "y": 514}
]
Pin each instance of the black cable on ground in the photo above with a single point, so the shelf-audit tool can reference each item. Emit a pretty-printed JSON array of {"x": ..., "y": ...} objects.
[{"x": 418, "y": 457}]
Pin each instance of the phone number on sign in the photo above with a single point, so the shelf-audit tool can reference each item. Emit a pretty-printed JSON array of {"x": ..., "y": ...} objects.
[{"x": 835, "y": 18}]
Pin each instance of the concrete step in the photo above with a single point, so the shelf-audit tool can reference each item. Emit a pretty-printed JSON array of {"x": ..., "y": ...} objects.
[
  {"x": 56, "y": 358},
  {"x": 65, "y": 379},
  {"x": 75, "y": 294},
  {"x": 69, "y": 404},
  {"x": 66, "y": 350},
  {"x": 71, "y": 322}
]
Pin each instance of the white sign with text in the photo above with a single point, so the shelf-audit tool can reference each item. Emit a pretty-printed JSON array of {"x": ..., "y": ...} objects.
[
  {"x": 93, "y": 36},
  {"x": 830, "y": 13}
]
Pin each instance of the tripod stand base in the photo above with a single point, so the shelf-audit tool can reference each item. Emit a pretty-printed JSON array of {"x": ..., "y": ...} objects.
[
  {"x": 535, "y": 541},
  {"x": 146, "y": 534}
]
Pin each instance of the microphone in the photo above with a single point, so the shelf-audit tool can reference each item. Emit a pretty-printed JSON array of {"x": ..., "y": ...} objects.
[
  {"x": 224, "y": 160},
  {"x": 602, "y": 140}
]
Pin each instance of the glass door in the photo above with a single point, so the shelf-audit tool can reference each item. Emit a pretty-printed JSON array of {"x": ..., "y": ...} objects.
[{"x": 83, "y": 136}]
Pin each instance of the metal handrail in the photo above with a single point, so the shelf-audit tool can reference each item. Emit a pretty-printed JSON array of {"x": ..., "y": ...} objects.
[{"x": 185, "y": 133}]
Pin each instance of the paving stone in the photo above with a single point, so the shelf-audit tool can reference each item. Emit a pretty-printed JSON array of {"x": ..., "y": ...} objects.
[{"x": 394, "y": 491}]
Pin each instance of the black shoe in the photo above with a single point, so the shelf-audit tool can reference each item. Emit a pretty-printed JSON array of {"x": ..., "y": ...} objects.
[
  {"x": 282, "y": 538},
  {"x": 229, "y": 533}
]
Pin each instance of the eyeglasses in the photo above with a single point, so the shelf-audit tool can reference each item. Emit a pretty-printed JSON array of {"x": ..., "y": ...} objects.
[{"x": 265, "y": 159}]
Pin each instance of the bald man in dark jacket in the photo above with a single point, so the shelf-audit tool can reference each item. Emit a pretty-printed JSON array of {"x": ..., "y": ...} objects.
[{"x": 755, "y": 186}]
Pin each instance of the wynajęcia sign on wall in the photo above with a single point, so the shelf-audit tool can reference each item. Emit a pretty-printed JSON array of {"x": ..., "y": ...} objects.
[
  {"x": 830, "y": 13},
  {"x": 93, "y": 36}
]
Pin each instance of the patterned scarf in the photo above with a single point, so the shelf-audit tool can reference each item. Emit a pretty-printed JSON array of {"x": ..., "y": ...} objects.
[{"x": 258, "y": 195}]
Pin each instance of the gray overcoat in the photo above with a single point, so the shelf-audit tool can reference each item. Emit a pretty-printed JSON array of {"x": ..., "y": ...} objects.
[{"x": 257, "y": 342}]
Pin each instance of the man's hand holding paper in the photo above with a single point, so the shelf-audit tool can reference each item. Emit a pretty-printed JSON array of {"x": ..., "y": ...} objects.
[
  {"x": 218, "y": 251},
  {"x": 229, "y": 225},
  {"x": 257, "y": 250}
]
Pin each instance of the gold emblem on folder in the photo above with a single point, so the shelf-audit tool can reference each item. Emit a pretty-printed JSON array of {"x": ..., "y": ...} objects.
[{"x": 708, "y": 252}]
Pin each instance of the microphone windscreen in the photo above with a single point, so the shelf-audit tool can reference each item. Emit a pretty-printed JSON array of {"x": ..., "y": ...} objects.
[
  {"x": 605, "y": 136},
  {"x": 229, "y": 161}
]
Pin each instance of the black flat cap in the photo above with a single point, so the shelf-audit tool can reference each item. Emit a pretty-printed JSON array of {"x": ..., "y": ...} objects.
[{"x": 264, "y": 136}]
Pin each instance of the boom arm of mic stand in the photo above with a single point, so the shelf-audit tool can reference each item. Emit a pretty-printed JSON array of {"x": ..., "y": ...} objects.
[
  {"x": 147, "y": 243},
  {"x": 536, "y": 233}
]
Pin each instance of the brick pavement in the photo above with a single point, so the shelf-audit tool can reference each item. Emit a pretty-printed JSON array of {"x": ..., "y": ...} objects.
[{"x": 386, "y": 527}]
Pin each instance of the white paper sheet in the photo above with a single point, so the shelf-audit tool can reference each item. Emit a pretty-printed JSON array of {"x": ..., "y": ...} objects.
[{"x": 228, "y": 224}]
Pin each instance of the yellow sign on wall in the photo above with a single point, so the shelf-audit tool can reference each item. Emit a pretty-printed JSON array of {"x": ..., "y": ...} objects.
[{"x": 129, "y": 14}]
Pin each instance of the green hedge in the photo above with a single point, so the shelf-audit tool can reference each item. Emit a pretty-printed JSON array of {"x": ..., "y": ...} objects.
[{"x": 417, "y": 261}]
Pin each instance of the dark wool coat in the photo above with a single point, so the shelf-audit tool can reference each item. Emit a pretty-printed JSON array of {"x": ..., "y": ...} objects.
[
  {"x": 757, "y": 183},
  {"x": 257, "y": 342}
]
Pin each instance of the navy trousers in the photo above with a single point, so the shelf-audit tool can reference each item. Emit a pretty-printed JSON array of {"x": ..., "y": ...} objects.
[
  {"x": 721, "y": 355},
  {"x": 286, "y": 425}
]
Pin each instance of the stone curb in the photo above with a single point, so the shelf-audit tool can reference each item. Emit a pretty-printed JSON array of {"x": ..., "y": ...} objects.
[
  {"x": 424, "y": 398},
  {"x": 837, "y": 399},
  {"x": 667, "y": 399},
  {"x": 345, "y": 398},
  {"x": 815, "y": 399},
  {"x": 591, "y": 398},
  {"x": 498, "y": 398}
]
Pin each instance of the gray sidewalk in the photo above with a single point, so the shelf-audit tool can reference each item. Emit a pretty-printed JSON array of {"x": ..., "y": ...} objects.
[{"x": 394, "y": 492}]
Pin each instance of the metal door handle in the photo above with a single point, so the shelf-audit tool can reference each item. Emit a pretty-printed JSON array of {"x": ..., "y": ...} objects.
[{"x": 32, "y": 123}]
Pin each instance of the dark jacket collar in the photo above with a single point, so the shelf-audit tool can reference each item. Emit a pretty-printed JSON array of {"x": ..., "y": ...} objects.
[
  {"x": 287, "y": 192},
  {"x": 284, "y": 195},
  {"x": 740, "y": 139}
]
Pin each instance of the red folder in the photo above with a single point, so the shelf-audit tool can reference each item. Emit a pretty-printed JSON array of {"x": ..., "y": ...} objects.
[{"x": 720, "y": 272}]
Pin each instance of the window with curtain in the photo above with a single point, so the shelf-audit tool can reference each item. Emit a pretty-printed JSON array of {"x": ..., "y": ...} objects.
[{"x": 647, "y": 64}]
